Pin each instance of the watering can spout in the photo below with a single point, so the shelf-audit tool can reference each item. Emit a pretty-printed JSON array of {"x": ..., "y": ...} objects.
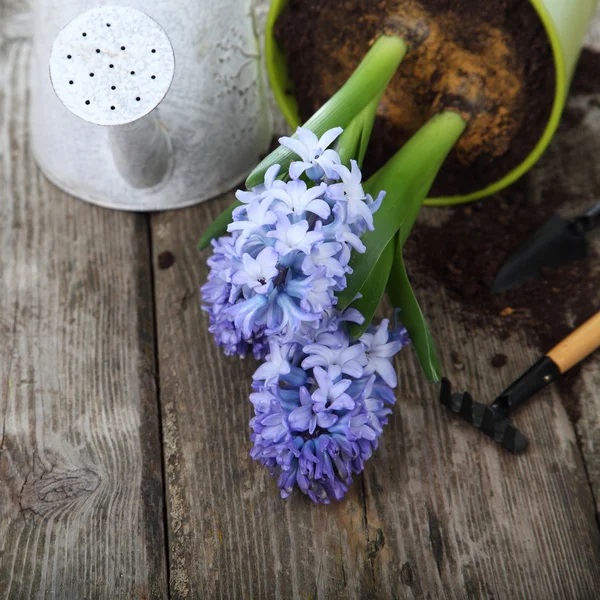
[
  {"x": 112, "y": 66},
  {"x": 142, "y": 151}
]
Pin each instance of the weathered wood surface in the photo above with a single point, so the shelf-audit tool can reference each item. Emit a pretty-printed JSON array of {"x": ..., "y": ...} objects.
[
  {"x": 439, "y": 513},
  {"x": 81, "y": 500},
  {"x": 229, "y": 532},
  {"x": 571, "y": 164},
  {"x": 462, "y": 519}
]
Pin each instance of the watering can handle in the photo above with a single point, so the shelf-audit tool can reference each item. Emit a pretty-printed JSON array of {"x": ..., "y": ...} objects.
[{"x": 579, "y": 344}]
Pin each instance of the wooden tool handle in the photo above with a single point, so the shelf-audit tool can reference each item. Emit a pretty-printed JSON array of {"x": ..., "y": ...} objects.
[{"x": 574, "y": 348}]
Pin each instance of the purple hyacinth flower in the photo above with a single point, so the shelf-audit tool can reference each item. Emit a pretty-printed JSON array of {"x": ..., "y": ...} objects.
[
  {"x": 334, "y": 353},
  {"x": 297, "y": 198},
  {"x": 258, "y": 272},
  {"x": 316, "y": 160},
  {"x": 379, "y": 350},
  {"x": 275, "y": 366},
  {"x": 270, "y": 181},
  {"x": 258, "y": 215},
  {"x": 291, "y": 242},
  {"x": 332, "y": 394},
  {"x": 315, "y": 432},
  {"x": 315, "y": 292},
  {"x": 310, "y": 414},
  {"x": 293, "y": 237},
  {"x": 360, "y": 206}
]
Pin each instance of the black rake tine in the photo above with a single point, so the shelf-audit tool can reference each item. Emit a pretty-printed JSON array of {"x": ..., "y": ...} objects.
[
  {"x": 466, "y": 406},
  {"x": 461, "y": 404},
  {"x": 513, "y": 440},
  {"x": 446, "y": 393},
  {"x": 483, "y": 417},
  {"x": 488, "y": 423}
]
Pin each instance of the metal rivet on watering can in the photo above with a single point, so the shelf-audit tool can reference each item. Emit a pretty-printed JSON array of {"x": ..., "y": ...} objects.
[{"x": 112, "y": 66}]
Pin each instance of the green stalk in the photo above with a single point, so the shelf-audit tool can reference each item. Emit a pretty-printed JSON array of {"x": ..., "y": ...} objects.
[
  {"x": 354, "y": 141},
  {"x": 351, "y": 106},
  {"x": 372, "y": 75},
  {"x": 402, "y": 296},
  {"x": 375, "y": 284},
  {"x": 407, "y": 178}
]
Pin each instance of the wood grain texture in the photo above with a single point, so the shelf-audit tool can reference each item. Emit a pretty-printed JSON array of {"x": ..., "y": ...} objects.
[
  {"x": 81, "y": 507},
  {"x": 498, "y": 526},
  {"x": 441, "y": 512},
  {"x": 571, "y": 165},
  {"x": 461, "y": 518},
  {"x": 230, "y": 534}
]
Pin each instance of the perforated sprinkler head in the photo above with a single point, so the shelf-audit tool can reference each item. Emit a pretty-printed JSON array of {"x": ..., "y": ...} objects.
[{"x": 113, "y": 66}]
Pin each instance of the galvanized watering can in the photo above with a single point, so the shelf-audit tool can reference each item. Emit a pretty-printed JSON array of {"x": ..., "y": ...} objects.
[{"x": 147, "y": 105}]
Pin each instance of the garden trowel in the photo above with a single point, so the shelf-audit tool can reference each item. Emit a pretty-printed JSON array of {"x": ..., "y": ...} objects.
[
  {"x": 556, "y": 242},
  {"x": 494, "y": 419}
]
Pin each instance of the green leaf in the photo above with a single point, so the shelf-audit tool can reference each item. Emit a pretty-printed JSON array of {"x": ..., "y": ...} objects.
[
  {"x": 407, "y": 178},
  {"x": 373, "y": 291},
  {"x": 372, "y": 74},
  {"x": 355, "y": 139},
  {"x": 276, "y": 63},
  {"x": 411, "y": 316},
  {"x": 389, "y": 53},
  {"x": 218, "y": 227}
]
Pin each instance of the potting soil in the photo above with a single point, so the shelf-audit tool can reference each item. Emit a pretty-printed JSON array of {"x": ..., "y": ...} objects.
[{"x": 489, "y": 60}]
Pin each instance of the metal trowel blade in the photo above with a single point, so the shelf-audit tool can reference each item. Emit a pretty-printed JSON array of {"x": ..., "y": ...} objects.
[{"x": 556, "y": 242}]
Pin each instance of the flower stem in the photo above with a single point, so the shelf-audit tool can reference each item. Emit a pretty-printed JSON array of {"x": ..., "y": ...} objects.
[
  {"x": 370, "y": 77},
  {"x": 419, "y": 166},
  {"x": 407, "y": 178},
  {"x": 354, "y": 140}
]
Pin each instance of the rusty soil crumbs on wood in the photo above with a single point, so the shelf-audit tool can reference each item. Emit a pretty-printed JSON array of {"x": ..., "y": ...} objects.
[
  {"x": 499, "y": 360},
  {"x": 166, "y": 260}
]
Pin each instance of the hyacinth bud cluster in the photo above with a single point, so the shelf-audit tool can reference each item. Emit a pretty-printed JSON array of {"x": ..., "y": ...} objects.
[
  {"x": 319, "y": 398},
  {"x": 320, "y": 407}
]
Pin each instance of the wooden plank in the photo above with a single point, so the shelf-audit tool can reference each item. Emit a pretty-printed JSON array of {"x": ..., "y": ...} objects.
[
  {"x": 440, "y": 513},
  {"x": 230, "y": 535},
  {"x": 456, "y": 516},
  {"x": 571, "y": 164},
  {"x": 495, "y": 525},
  {"x": 81, "y": 507},
  {"x": 447, "y": 514}
]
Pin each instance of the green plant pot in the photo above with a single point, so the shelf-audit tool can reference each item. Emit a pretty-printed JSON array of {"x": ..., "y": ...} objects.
[{"x": 565, "y": 22}]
